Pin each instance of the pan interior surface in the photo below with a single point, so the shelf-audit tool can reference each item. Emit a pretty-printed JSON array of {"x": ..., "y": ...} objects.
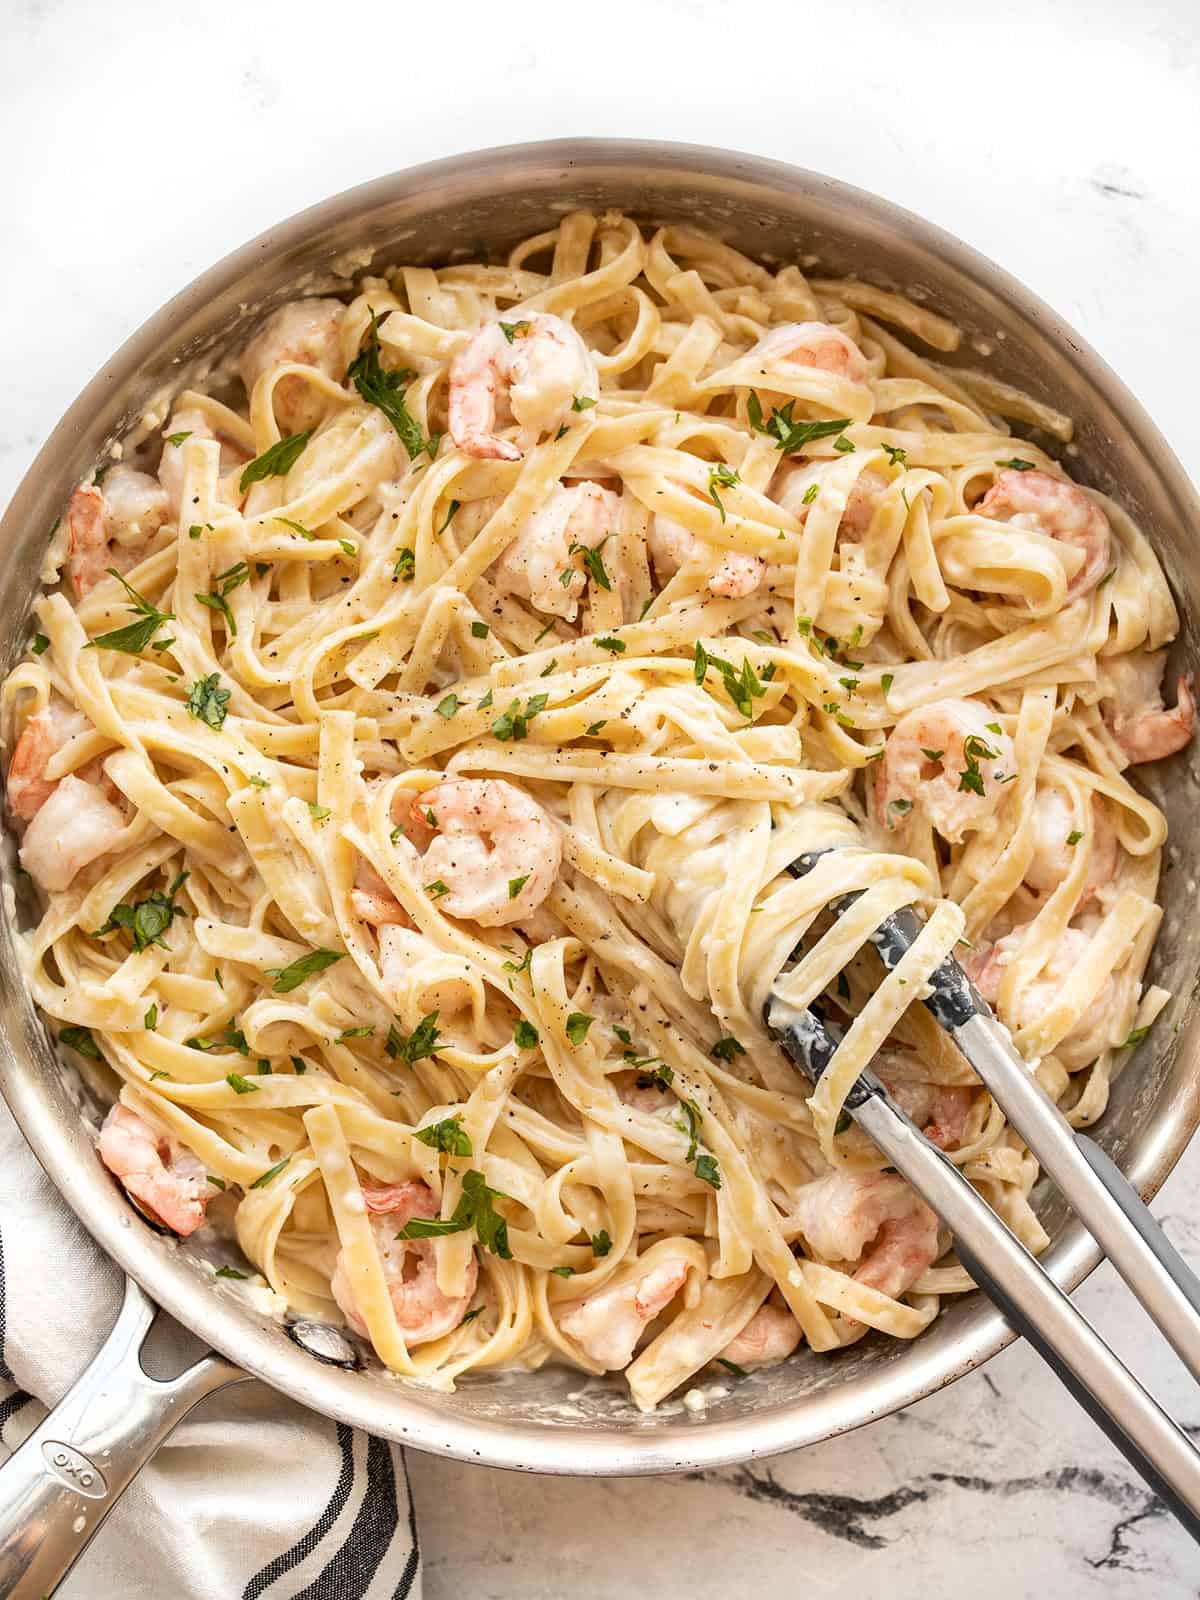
[{"x": 557, "y": 1420}]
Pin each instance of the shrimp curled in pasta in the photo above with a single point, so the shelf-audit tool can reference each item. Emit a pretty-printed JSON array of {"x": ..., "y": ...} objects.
[
  {"x": 538, "y": 362},
  {"x": 162, "y": 1174},
  {"x": 949, "y": 761},
  {"x": 1060, "y": 509},
  {"x": 422, "y": 1311},
  {"x": 496, "y": 853}
]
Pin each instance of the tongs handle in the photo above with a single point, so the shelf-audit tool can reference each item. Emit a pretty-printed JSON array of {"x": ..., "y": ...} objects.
[
  {"x": 1104, "y": 1201},
  {"x": 1038, "y": 1308}
]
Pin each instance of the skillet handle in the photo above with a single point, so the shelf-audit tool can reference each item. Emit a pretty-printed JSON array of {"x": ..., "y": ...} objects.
[{"x": 58, "y": 1487}]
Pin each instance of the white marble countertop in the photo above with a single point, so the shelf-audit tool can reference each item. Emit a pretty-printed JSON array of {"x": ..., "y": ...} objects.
[{"x": 142, "y": 141}]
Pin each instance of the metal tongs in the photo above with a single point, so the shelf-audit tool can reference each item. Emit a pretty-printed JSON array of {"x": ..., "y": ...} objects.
[{"x": 1101, "y": 1197}]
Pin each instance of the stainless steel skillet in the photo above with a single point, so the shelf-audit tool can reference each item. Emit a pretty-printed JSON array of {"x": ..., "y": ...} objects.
[{"x": 491, "y": 199}]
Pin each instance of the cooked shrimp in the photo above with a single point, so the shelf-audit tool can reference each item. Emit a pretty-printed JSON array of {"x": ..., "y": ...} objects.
[
  {"x": 608, "y": 1324},
  {"x": 793, "y": 483},
  {"x": 1054, "y": 852},
  {"x": 307, "y": 332},
  {"x": 768, "y": 1338},
  {"x": 940, "y": 1110},
  {"x": 1090, "y": 1035},
  {"x": 110, "y": 526},
  {"x": 950, "y": 761},
  {"x": 73, "y": 827},
  {"x": 812, "y": 344},
  {"x": 496, "y": 850},
  {"x": 671, "y": 545},
  {"x": 841, "y": 1213},
  {"x": 373, "y": 901},
  {"x": 27, "y": 786},
  {"x": 541, "y": 364},
  {"x": 155, "y": 1169},
  {"x": 545, "y": 563},
  {"x": 423, "y": 1312},
  {"x": 1145, "y": 729},
  {"x": 1058, "y": 509}
]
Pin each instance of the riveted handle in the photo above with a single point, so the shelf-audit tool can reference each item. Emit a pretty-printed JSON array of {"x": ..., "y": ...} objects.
[{"x": 59, "y": 1486}]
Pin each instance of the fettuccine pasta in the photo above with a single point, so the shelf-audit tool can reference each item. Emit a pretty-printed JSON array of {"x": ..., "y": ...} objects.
[{"x": 410, "y": 763}]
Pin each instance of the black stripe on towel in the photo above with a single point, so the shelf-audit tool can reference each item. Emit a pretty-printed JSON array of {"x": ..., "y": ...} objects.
[
  {"x": 350, "y": 1573},
  {"x": 5, "y": 1369},
  {"x": 12, "y": 1403},
  {"x": 303, "y": 1547},
  {"x": 411, "y": 1566}
]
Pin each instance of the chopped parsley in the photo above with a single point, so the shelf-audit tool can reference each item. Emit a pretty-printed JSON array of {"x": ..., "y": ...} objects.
[
  {"x": 578, "y": 1024},
  {"x": 1017, "y": 464},
  {"x": 150, "y": 1020},
  {"x": 563, "y": 1272},
  {"x": 593, "y": 728},
  {"x": 1074, "y": 836},
  {"x": 971, "y": 777},
  {"x": 791, "y": 436},
  {"x": 525, "y": 1035},
  {"x": 365, "y": 1032},
  {"x": 240, "y": 1085},
  {"x": 208, "y": 702},
  {"x": 897, "y": 456},
  {"x": 437, "y": 889},
  {"x": 732, "y": 1366},
  {"x": 147, "y": 920},
  {"x": 406, "y": 565},
  {"x": 455, "y": 507},
  {"x": 230, "y": 1272},
  {"x": 264, "y": 1179},
  {"x": 582, "y": 402},
  {"x": 1135, "y": 1037},
  {"x": 601, "y": 1243},
  {"x": 218, "y": 599},
  {"x": 292, "y": 976},
  {"x": 415, "y": 1046},
  {"x": 480, "y": 630},
  {"x": 843, "y": 446},
  {"x": 318, "y": 813},
  {"x": 386, "y": 391},
  {"x": 276, "y": 462},
  {"x": 448, "y": 707},
  {"x": 510, "y": 330},
  {"x": 177, "y": 438},
  {"x": 80, "y": 1040},
  {"x": 474, "y": 1210},
  {"x": 720, "y": 477},
  {"x": 707, "y": 1169},
  {"x": 515, "y": 885},
  {"x": 514, "y": 724},
  {"x": 742, "y": 688},
  {"x": 297, "y": 527},
  {"x": 593, "y": 561},
  {"x": 614, "y": 647},
  {"x": 886, "y": 682},
  {"x": 810, "y": 494},
  {"x": 449, "y": 1136},
  {"x": 40, "y": 644},
  {"x": 726, "y": 1049},
  {"x": 132, "y": 639}
]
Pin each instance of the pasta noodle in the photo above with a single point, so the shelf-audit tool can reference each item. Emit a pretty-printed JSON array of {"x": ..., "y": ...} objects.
[{"x": 410, "y": 764}]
